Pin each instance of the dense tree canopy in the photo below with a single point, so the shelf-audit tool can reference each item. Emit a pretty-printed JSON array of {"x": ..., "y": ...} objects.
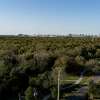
[{"x": 31, "y": 63}]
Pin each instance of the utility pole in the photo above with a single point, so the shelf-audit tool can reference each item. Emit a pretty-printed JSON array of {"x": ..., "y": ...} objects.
[{"x": 58, "y": 96}]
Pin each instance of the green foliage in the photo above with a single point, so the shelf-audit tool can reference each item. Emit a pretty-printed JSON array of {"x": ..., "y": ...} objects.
[
  {"x": 34, "y": 81},
  {"x": 54, "y": 92},
  {"x": 3, "y": 69},
  {"x": 92, "y": 87},
  {"x": 73, "y": 67},
  {"x": 29, "y": 94},
  {"x": 27, "y": 62}
]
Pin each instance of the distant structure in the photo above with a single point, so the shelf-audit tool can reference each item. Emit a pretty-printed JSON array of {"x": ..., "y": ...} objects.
[
  {"x": 82, "y": 35},
  {"x": 23, "y": 35},
  {"x": 53, "y": 35}
]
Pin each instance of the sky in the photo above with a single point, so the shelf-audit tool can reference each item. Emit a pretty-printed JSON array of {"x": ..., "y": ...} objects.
[{"x": 50, "y": 16}]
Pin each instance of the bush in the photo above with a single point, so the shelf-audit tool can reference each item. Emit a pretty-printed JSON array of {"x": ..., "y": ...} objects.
[{"x": 29, "y": 94}]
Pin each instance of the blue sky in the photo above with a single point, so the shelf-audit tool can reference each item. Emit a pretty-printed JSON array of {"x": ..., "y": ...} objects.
[{"x": 49, "y": 16}]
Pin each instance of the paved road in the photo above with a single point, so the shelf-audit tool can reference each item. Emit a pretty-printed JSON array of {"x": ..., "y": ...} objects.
[
  {"x": 80, "y": 79},
  {"x": 46, "y": 97},
  {"x": 74, "y": 97},
  {"x": 76, "y": 82}
]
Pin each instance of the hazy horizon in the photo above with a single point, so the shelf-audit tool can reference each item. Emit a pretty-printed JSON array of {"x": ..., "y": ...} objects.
[{"x": 49, "y": 16}]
